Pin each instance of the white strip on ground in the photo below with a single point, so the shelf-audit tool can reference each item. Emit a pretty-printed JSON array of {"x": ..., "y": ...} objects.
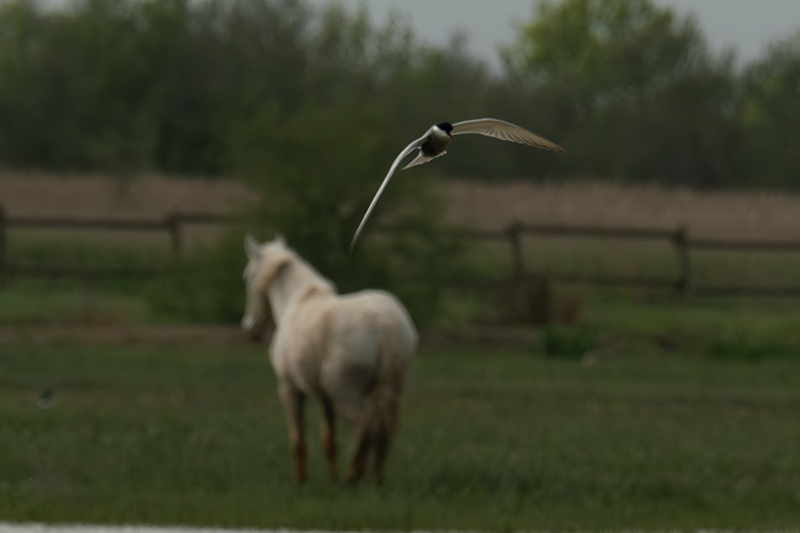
[
  {"x": 6, "y": 527},
  {"x": 27, "y": 527}
]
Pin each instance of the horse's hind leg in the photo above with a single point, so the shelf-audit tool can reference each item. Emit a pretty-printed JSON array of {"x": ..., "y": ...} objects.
[
  {"x": 329, "y": 436},
  {"x": 381, "y": 443},
  {"x": 363, "y": 443},
  {"x": 293, "y": 402}
]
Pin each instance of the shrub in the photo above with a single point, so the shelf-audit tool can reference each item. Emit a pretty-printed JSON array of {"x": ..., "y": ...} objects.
[
  {"x": 567, "y": 342},
  {"x": 207, "y": 285},
  {"x": 321, "y": 172}
]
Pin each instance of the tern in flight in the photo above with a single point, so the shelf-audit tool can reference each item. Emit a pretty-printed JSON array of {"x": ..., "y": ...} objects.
[{"x": 435, "y": 141}]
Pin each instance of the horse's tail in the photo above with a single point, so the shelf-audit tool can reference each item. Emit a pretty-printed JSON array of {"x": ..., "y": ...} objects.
[{"x": 396, "y": 344}]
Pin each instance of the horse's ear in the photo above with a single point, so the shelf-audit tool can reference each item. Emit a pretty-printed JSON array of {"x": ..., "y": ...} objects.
[
  {"x": 252, "y": 247},
  {"x": 279, "y": 238},
  {"x": 271, "y": 264}
]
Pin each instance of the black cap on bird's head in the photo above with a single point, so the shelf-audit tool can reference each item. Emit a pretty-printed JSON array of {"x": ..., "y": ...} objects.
[{"x": 445, "y": 127}]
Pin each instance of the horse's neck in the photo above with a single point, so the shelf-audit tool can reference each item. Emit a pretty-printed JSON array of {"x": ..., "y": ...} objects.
[{"x": 297, "y": 276}]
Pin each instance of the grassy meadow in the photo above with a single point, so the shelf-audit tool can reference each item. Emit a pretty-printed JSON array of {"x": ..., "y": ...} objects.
[
  {"x": 638, "y": 433},
  {"x": 635, "y": 409}
]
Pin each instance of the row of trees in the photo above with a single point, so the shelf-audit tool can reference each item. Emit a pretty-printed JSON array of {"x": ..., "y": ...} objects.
[
  {"x": 189, "y": 87},
  {"x": 204, "y": 88},
  {"x": 313, "y": 104}
]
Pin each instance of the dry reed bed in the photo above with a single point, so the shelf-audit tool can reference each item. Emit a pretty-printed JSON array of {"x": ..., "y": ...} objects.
[
  {"x": 724, "y": 215},
  {"x": 141, "y": 197},
  {"x": 146, "y": 197}
]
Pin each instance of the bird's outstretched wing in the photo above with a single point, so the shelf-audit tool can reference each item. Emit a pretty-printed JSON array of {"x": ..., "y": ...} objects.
[
  {"x": 407, "y": 150},
  {"x": 500, "y": 129}
]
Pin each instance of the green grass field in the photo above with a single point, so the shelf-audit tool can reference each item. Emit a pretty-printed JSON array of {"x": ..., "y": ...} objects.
[
  {"x": 489, "y": 440},
  {"x": 645, "y": 412}
]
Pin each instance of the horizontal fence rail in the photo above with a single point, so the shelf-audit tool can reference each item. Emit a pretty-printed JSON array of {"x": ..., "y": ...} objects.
[
  {"x": 81, "y": 272},
  {"x": 173, "y": 226}
]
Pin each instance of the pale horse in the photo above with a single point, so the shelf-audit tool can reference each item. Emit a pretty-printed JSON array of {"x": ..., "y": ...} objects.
[{"x": 349, "y": 351}]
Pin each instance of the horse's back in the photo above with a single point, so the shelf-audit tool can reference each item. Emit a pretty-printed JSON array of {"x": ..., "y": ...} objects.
[
  {"x": 370, "y": 341},
  {"x": 375, "y": 311}
]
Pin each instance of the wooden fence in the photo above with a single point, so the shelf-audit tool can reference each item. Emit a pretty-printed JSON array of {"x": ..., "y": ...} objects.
[
  {"x": 679, "y": 238},
  {"x": 174, "y": 224}
]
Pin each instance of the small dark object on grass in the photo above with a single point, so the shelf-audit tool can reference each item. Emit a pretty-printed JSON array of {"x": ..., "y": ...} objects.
[{"x": 47, "y": 398}]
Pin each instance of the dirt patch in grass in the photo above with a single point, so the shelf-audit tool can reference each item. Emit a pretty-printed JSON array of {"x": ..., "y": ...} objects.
[
  {"x": 127, "y": 335},
  {"x": 232, "y": 336}
]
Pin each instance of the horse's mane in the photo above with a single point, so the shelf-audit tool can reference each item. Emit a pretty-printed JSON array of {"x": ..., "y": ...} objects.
[
  {"x": 311, "y": 279},
  {"x": 289, "y": 279}
]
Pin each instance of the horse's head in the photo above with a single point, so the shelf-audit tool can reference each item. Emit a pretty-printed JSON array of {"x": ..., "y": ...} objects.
[{"x": 264, "y": 263}]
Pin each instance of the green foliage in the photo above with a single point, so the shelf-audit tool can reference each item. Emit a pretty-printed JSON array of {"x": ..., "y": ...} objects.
[
  {"x": 87, "y": 87},
  {"x": 567, "y": 342},
  {"x": 123, "y": 85},
  {"x": 83, "y": 298},
  {"x": 741, "y": 348},
  {"x": 83, "y": 254},
  {"x": 604, "y": 46},
  {"x": 207, "y": 286},
  {"x": 631, "y": 89},
  {"x": 25, "y": 303},
  {"x": 628, "y": 87},
  {"x": 321, "y": 173},
  {"x": 771, "y": 113}
]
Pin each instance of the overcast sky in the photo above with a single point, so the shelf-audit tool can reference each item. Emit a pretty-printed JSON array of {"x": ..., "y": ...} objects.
[{"x": 745, "y": 25}]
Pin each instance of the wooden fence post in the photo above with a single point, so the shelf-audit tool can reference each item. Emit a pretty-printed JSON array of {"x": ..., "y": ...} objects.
[
  {"x": 518, "y": 301},
  {"x": 3, "y": 227},
  {"x": 514, "y": 234},
  {"x": 173, "y": 223},
  {"x": 684, "y": 282}
]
